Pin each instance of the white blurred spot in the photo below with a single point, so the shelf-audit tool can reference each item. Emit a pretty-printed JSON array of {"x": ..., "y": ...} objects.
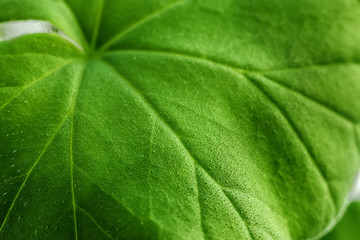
[
  {"x": 355, "y": 191},
  {"x": 14, "y": 29}
]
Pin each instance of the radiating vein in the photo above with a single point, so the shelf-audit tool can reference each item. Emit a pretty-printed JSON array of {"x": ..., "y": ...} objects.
[
  {"x": 298, "y": 135},
  {"x": 137, "y": 24},
  {"x": 45, "y": 76},
  {"x": 72, "y": 111},
  {"x": 179, "y": 55},
  {"x": 323, "y": 105},
  {"x": 244, "y": 73},
  {"x": 177, "y": 137},
  {"x": 233, "y": 68},
  {"x": 106, "y": 192},
  {"x": 97, "y": 24},
  {"x": 197, "y": 163},
  {"x": 95, "y": 222},
  {"x": 31, "y": 170},
  {"x": 72, "y": 176},
  {"x": 316, "y": 65},
  {"x": 43, "y": 151},
  {"x": 96, "y": 184},
  {"x": 233, "y": 65}
]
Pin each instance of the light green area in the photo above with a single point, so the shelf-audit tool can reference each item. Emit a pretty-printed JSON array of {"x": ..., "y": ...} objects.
[
  {"x": 189, "y": 119},
  {"x": 348, "y": 227}
]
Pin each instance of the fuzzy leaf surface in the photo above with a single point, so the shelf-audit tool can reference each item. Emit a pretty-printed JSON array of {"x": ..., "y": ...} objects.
[{"x": 187, "y": 119}]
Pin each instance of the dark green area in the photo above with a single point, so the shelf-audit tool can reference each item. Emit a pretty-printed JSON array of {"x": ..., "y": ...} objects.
[{"x": 349, "y": 226}]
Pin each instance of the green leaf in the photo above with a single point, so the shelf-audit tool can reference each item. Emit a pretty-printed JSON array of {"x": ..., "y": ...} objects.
[
  {"x": 348, "y": 227},
  {"x": 181, "y": 119}
]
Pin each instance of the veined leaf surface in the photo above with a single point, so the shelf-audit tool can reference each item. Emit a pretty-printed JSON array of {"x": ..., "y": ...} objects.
[{"x": 180, "y": 119}]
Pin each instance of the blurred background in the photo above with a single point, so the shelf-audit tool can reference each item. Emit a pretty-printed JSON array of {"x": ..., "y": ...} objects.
[{"x": 349, "y": 226}]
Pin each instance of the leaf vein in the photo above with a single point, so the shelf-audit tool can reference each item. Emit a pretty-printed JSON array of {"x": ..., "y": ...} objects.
[
  {"x": 71, "y": 151},
  {"x": 298, "y": 135},
  {"x": 45, "y": 76},
  {"x": 320, "y": 104},
  {"x": 102, "y": 189},
  {"x": 234, "y": 68},
  {"x": 72, "y": 176},
  {"x": 97, "y": 24},
  {"x": 31, "y": 170},
  {"x": 137, "y": 24},
  {"x": 96, "y": 223},
  {"x": 234, "y": 65},
  {"x": 107, "y": 193},
  {"x": 157, "y": 114}
]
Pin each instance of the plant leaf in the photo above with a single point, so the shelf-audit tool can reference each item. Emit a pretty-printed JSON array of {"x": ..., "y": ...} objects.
[{"x": 180, "y": 120}]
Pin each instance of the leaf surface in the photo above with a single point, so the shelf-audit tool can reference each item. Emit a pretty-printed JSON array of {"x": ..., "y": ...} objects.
[{"x": 180, "y": 120}]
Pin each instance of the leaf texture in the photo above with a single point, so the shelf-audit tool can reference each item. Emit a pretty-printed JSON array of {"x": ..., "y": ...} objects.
[{"x": 181, "y": 119}]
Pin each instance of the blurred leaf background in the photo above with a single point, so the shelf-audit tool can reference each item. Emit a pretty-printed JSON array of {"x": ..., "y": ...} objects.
[{"x": 348, "y": 227}]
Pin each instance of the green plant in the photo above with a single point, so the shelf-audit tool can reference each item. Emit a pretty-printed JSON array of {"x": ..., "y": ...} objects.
[{"x": 189, "y": 119}]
